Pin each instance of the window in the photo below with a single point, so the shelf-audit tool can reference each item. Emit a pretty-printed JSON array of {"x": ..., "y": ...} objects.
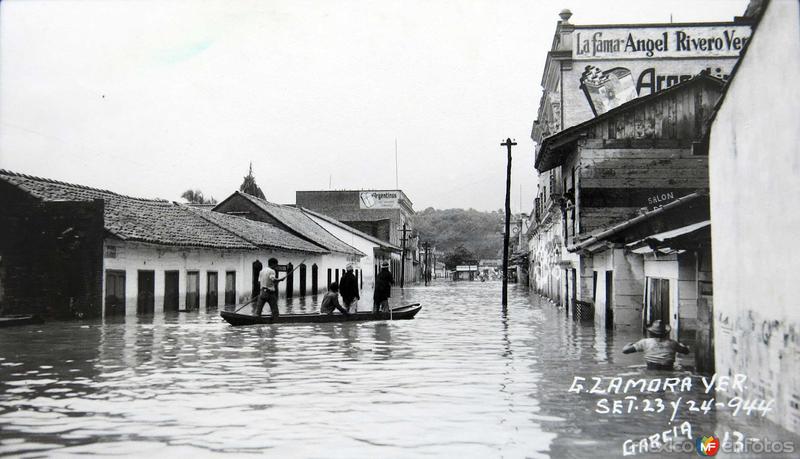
[
  {"x": 230, "y": 288},
  {"x": 329, "y": 277},
  {"x": 212, "y": 290}
]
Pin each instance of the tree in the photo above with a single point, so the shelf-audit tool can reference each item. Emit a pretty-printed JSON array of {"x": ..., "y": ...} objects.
[
  {"x": 196, "y": 197},
  {"x": 249, "y": 185},
  {"x": 459, "y": 256}
]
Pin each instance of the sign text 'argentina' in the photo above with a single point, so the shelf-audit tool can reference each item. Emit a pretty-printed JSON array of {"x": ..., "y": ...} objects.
[{"x": 624, "y": 43}]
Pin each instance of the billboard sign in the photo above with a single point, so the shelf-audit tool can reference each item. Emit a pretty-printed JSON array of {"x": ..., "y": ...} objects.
[
  {"x": 379, "y": 200},
  {"x": 660, "y": 42}
]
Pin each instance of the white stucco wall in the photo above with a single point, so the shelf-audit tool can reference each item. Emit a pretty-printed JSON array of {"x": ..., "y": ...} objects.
[
  {"x": 368, "y": 262},
  {"x": 755, "y": 182},
  {"x": 132, "y": 257}
]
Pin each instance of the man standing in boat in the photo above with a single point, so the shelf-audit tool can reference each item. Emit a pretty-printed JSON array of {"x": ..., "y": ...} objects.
[
  {"x": 268, "y": 280},
  {"x": 383, "y": 289},
  {"x": 348, "y": 288}
]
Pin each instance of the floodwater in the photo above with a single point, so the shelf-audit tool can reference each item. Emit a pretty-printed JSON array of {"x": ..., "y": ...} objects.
[{"x": 463, "y": 379}]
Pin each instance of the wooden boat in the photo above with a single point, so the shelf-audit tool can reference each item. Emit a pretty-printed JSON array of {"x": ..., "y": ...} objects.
[
  {"x": 16, "y": 320},
  {"x": 399, "y": 313}
]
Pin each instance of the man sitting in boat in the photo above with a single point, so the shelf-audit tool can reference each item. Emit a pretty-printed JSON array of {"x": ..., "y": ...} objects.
[
  {"x": 330, "y": 301},
  {"x": 659, "y": 351}
]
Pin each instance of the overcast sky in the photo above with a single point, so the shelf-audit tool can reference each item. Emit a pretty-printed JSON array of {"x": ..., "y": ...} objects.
[{"x": 149, "y": 98}]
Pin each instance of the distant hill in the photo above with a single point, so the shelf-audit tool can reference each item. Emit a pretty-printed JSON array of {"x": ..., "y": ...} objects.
[{"x": 479, "y": 232}]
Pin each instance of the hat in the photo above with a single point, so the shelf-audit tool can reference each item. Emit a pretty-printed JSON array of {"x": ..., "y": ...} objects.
[
  {"x": 384, "y": 264},
  {"x": 349, "y": 267},
  {"x": 658, "y": 328}
]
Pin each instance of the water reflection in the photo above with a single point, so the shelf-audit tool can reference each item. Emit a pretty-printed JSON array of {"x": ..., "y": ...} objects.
[{"x": 464, "y": 378}]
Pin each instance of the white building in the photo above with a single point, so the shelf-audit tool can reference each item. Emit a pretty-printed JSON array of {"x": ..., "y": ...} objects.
[
  {"x": 755, "y": 182},
  {"x": 375, "y": 250}
]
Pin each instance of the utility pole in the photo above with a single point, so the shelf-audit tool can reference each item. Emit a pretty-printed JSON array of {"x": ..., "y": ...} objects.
[
  {"x": 427, "y": 246},
  {"x": 403, "y": 256},
  {"x": 508, "y": 144}
]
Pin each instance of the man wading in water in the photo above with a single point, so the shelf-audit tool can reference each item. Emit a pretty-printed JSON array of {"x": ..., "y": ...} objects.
[
  {"x": 659, "y": 351},
  {"x": 268, "y": 278}
]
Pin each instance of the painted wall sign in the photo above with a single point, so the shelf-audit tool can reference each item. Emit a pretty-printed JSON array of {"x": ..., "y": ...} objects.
[
  {"x": 658, "y": 200},
  {"x": 648, "y": 42},
  {"x": 608, "y": 89},
  {"x": 466, "y": 268},
  {"x": 379, "y": 200}
]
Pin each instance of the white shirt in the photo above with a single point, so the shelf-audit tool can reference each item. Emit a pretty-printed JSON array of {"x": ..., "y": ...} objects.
[{"x": 266, "y": 278}]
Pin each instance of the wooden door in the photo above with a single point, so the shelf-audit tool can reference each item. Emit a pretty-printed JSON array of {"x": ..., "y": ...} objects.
[
  {"x": 609, "y": 300},
  {"x": 314, "y": 279},
  {"x": 115, "y": 292},
  {"x": 146, "y": 298},
  {"x": 212, "y": 290},
  {"x": 302, "y": 279},
  {"x": 289, "y": 281},
  {"x": 230, "y": 288},
  {"x": 192, "y": 291},
  {"x": 171, "y": 298}
]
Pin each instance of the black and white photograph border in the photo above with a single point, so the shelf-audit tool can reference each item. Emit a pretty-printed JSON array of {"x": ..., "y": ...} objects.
[{"x": 402, "y": 228}]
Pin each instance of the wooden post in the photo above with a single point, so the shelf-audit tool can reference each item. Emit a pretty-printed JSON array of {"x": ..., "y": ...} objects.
[
  {"x": 403, "y": 257},
  {"x": 508, "y": 144}
]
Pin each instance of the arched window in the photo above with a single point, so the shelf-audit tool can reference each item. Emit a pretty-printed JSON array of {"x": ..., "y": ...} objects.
[{"x": 302, "y": 279}]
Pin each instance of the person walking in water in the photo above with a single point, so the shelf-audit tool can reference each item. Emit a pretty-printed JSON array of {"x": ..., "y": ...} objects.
[
  {"x": 383, "y": 289},
  {"x": 268, "y": 280},
  {"x": 659, "y": 351},
  {"x": 348, "y": 288}
]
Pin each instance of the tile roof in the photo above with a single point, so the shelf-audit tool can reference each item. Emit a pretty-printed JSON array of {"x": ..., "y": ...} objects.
[
  {"x": 302, "y": 224},
  {"x": 258, "y": 233},
  {"x": 333, "y": 221},
  {"x": 157, "y": 221}
]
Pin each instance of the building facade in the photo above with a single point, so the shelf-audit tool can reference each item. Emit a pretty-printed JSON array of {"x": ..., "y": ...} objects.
[
  {"x": 382, "y": 214},
  {"x": 755, "y": 169},
  {"x": 102, "y": 253}
]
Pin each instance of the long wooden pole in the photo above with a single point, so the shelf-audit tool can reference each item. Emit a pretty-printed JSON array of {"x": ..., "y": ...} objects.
[{"x": 508, "y": 144}]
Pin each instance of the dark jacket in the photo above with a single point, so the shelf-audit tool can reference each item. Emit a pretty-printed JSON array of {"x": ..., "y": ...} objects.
[
  {"x": 348, "y": 287},
  {"x": 383, "y": 286}
]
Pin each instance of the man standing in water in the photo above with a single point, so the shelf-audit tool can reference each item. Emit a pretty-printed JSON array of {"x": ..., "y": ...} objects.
[
  {"x": 348, "y": 288},
  {"x": 268, "y": 279},
  {"x": 659, "y": 351},
  {"x": 383, "y": 289}
]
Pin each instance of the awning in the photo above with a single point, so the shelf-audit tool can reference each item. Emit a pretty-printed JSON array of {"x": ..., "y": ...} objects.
[{"x": 666, "y": 242}]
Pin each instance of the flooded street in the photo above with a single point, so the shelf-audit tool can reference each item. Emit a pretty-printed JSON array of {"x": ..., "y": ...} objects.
[{"x": 462, "y": 379}]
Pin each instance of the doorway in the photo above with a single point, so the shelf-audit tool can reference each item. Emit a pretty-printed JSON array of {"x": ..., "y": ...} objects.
[
  {"x": 314, "y": 279},
  {"x": 303, "y": 279},
  {"x": 289, "y": 281},
  {"x": 192, "y": 290},
  {"x": 145, "y": 299},
  {"x": 115, "y": 292},
  {"x": 171, "y": 298},
  {"x": 609, "y": 300},
  {"x": 212, "y": 290},
  {"x": 257, "y": 267}
]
